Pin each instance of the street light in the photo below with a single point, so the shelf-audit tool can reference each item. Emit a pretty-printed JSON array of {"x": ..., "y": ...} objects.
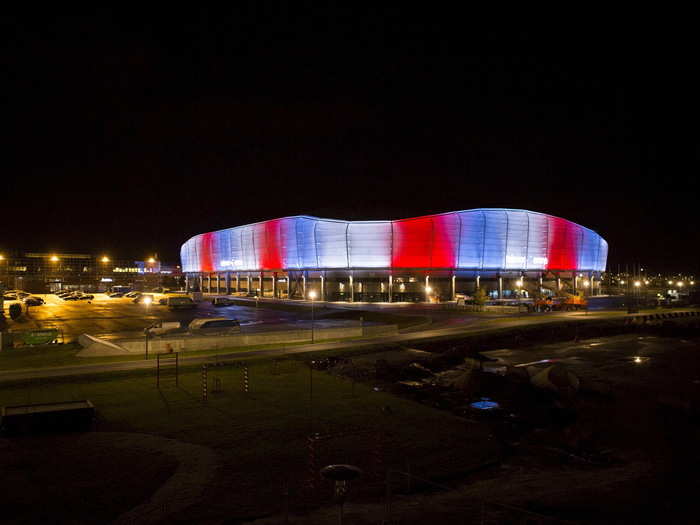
[
  {"x": 54, "y": 258},
  {"x": 637, "y": 284},
  {"x": 105, "y": 259},
  {"x": 312, "y": 296},
  {"x": 680, "y": 284},
  {"x": 151, "y": 260}
]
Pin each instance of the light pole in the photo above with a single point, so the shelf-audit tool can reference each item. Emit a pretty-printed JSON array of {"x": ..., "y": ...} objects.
[
  {"x": 104, "y": 260},
  {"x": 53, "y": 259},
  {"x": 312, "y": 296},
  {"x": 2, "y": 290}
]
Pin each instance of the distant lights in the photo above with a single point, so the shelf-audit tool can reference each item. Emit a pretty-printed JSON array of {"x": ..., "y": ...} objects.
[
  {"x": 54, "y": 258},
  {"x": 679, "y": 284},
  {"x": 151, "y": 260},
  {"x": 637, "y": 283}
]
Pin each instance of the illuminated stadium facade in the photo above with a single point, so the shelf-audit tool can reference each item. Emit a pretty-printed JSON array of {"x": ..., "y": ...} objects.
[{"x": 432, "y": 258}]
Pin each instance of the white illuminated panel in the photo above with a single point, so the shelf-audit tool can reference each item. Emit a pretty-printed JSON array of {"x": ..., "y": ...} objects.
[
  {"x": 370, "y": 244},
  {"x": 331, "y": 244}
]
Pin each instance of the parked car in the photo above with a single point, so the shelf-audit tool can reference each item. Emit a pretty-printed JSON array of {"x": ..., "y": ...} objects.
[
  {"x": 175, "y": 302},
  {"x": 9, "y": 297},
  {"x": 222, "y": 301},
  {"x": 33, "y": 301},
  {"x": 22, "y": 295},
  {"x": 71, "y": 297},
  {"x": 132, "y": 294},
  {"x": 143, "y": 298},
  {"x": 86, "y": 297},
  {"x": 214, "y": 326},
  {"x": 116, "y": 294}
]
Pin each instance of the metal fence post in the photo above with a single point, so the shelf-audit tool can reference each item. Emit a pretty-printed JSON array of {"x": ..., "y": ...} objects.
[{"x": 204, "y": 383}]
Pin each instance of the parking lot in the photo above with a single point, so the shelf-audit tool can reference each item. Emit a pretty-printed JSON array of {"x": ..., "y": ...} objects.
[{"x": 118, "y": 317}]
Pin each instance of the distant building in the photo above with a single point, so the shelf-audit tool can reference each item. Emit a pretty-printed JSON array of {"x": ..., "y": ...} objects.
[
  {"x": 51, "y": 272},
  {"x": 429, "y": 258}
]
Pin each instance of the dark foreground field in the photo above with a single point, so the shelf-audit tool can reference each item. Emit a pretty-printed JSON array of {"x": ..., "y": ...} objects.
[{"x": 622, "y": 449}]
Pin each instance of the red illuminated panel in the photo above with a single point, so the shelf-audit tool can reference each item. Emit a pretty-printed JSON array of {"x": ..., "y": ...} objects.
[
  {"x": 205, "y": 256},
  {"x": 445, "y": 240},
  {"x": 562, "y": 246},
  {"x": 412, "y": 243},
  {"x": 271, "y": 254}
]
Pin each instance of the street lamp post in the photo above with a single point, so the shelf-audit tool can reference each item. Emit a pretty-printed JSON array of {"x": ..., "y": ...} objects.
[
  {"x": 2, "y": 292},
  {"x": 312, "y": 296}
]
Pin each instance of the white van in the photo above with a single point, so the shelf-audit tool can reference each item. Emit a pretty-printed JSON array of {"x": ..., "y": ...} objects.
[{"x": 162, "y": 327}]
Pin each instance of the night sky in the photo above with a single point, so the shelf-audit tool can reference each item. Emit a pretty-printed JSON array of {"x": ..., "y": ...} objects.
[{"x": 128, "y": 132}]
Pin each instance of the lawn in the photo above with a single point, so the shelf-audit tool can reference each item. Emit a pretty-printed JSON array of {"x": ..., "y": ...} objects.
[{"x": 262, "y": 437}]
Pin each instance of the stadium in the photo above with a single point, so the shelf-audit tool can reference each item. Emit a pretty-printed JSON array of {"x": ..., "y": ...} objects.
[{"x": 509, "y": 253}]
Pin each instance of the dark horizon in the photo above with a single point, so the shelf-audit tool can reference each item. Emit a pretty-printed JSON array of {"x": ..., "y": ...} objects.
[{"x": 128, "y": 137}]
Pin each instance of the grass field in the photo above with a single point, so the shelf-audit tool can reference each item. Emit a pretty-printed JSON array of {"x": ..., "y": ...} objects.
[{"x": 261, "y": 437}]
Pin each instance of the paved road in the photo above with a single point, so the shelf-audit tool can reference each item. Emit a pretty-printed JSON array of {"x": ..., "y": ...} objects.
[{"x": 486, "y": 325}]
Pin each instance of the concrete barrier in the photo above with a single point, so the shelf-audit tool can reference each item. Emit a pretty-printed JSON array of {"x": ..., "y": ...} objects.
[{"x": 186, "y": 342}]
